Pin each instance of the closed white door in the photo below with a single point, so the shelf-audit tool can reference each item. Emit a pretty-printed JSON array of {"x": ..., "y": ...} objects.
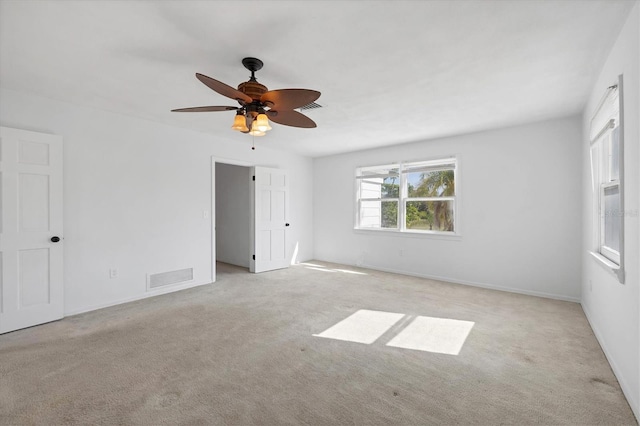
[
  {"x": 271, "y": 219},
  {"x": 31, "y": 286}
]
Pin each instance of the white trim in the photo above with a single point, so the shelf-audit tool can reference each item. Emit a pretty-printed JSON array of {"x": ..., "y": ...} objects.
[
  {"x": 608, "y": 116},
  {"x": 610, "y": 125},
  {"x": 611, "y": 254},
  {"x": 231, "y": 161},
  {"x": 379, "y": 175},
  {"x": 609, "y": 265},
  {"x": 469, "y": 283},
  {"x": 449, "y": 159},
  {"x": 411, "y": 233},
  {"x": 152, "y": 293},
  {"x": 378, "y": 166},
  {"x": 608, "y": 108},
  {"x": 608, "y": 252},
  {"x": 626, "y": 389},
  {"x": 212, "y": 214}
]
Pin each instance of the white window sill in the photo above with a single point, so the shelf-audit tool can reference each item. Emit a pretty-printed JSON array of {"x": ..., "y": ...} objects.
[
  {"x": 604, "y": 261},
  {"x": 608, "y": 265},
  {"x": 450, "y": 236}
]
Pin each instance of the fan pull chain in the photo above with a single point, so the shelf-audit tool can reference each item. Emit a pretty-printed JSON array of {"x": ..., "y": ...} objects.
[{"x": 253, "y": 142}]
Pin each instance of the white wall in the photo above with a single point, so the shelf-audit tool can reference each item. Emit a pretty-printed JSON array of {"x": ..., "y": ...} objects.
[
  {"x": 233, "y": 214},
  {"x": 520, "y": 206},
  {"x": 134, "y": 196},
  {"x": 612, "y": 308}
]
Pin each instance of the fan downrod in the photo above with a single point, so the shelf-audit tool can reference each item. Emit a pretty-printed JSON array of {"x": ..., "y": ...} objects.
[{"x": 252, "y": 88}]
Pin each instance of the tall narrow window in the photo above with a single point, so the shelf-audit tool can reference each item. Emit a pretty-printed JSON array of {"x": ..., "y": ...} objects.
[{"x": 607, "y": 178}]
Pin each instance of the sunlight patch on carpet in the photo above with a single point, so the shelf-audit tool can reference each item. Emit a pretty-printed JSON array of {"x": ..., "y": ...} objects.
[
  {"x": 439, "y": 335},
  {"x": 320, "y": 269},
  {"x": 323, "y": 268},
  {"x": 428, "y": 334},
  {"x": 363, "y": 326}
]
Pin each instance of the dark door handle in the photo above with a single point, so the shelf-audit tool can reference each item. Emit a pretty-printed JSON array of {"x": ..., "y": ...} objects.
[
  {"x": 55, "y": 239},
  {"x": 286, "y": 224}
]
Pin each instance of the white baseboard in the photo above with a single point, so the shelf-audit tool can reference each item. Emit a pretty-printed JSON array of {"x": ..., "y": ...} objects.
[
  {"x": 145, "y": 295},
  {"x": 626, "y": 390},
  {"x": 473, "y": 284}
]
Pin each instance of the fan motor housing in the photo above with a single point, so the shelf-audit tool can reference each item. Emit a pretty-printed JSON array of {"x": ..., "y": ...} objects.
[{"x": 252, "y": 89}]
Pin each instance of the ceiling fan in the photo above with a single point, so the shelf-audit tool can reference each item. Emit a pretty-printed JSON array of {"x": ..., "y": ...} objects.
[{"x": 258, "y": 104}]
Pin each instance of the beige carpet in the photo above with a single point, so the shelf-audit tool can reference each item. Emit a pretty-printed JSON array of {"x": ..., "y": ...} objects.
[{"x": 242, "y": 351}]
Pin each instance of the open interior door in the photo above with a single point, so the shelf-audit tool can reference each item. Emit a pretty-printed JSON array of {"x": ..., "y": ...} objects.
[
  {"x": 270, "y": 224},
  {"x": 31, "y": 286}
]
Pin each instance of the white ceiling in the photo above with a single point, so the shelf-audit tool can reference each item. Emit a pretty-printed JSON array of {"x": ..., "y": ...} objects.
[{"x": 389, "y": 71}]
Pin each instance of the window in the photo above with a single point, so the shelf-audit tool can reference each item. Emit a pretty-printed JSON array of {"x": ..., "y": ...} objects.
[
  {"x": 607, "y": 182},
  {"x": 609, "y": 192},
  {"x": 408, "y": 197},
  {"x": 379, "y": 194}
]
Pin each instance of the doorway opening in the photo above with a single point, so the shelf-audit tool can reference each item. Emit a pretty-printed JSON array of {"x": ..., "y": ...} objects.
[{"x": 232, "y": 214}]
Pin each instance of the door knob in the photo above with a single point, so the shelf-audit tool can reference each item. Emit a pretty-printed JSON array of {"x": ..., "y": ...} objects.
[{"x": 55, "y": 239}]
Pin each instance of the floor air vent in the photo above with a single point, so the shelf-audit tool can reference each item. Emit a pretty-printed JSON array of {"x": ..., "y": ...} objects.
[{"x": 169, "y": 278}]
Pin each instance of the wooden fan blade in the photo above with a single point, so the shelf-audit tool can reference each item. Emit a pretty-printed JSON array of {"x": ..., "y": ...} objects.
[
  {"x": 288, "y": 99},
  {"x": 205, "y": 109},
  {"x": 223, "y": 89},
  {"x": 291, "y": 118}
]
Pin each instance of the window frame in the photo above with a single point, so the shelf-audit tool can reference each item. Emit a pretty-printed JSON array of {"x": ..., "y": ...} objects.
[
  {"x": 380, "y": 199},
  {"x": 404, "y": 168},
  {"x": 607, "y": 119},
  {"x": 606, "y": 251}
]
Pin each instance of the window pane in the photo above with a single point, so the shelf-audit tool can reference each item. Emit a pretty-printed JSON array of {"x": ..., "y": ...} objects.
[
  {"x": 380, "y": 187},
  {"x": 431, "y": 184},
  {"x": 612, "y": 217},
  {"x": 430, "y": 215},
  {"x": 379, "y": 214},
  {"x": 614, "y": 173}
]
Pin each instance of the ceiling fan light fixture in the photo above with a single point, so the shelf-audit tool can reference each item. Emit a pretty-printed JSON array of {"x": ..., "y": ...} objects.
[
  {"x": 240, "y": 123},
  {"x": 256, "y": 100},
  {"x": 255, "y": 131},
  {"x": 262, "y": 122}
]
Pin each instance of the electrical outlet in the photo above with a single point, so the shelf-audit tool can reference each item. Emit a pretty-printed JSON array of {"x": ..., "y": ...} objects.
[{"x": 113, "y": 273}]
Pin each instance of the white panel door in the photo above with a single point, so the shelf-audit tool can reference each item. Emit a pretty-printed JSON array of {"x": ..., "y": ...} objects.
[
  {"x": 271, "y": 216},
  {"x": 31, "y": 286}
]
